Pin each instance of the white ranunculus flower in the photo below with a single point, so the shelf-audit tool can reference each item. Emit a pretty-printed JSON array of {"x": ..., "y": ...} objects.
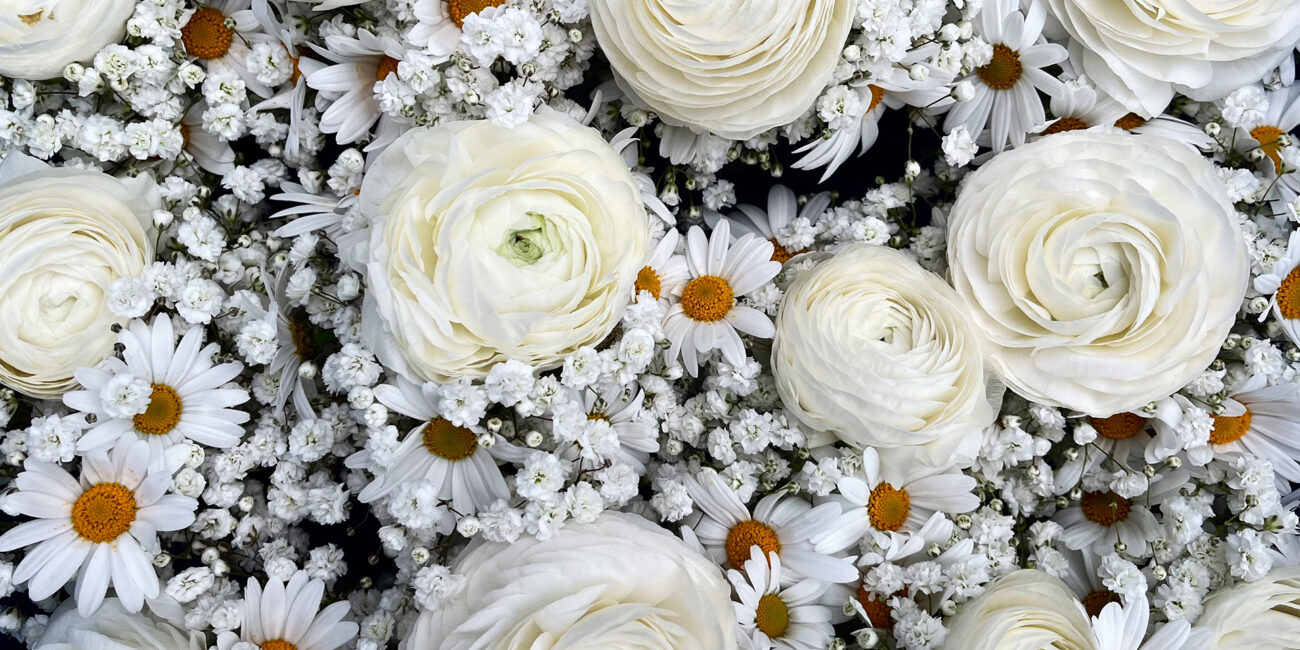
[
  {"x": 618, "y": 582},
  {"x": 1258, "y": 615},
  {"x": 111, "y": 627},
  {"x": 487, "y": 243},
  {"x": 65, "y": 236},
  {"x": 38, "y": 38},
  {"x": 734, "y": 67},
  {"x": 1142, "y": 52},
  {"x": 879, "y": 352},
  {"x": 1106, "y": 269},
  {"x": 1024, "y": 610}
]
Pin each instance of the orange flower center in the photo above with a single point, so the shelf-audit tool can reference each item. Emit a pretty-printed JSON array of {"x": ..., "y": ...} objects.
[
  {"x": 459, "y": 9},
  {"x": 888, "y": 507},
  {"x": 647, "y": 279},
  {"x": 781, "y": 253},
  {"x": 1095, "y": 601},
  {"x": 104, "y": 512},
  {"x": 747, "y": 534},
  {"x": 446, "y": 440},
  {"x": 1288, "y": 295},
  {"x": 878, "y": 611},
  {"x": 206, "y": 35},
  {"x": 1130, "y": 121},
  {"x": 1120, "y": 426},
  {"x": 387, "y": 66},
  {"x": 772, "y": 616},
  {"x": 277, "y": 644},
  {"x": 1229, "y": 428},
  {"x": 1003, "y": 70},
  {"x": 1105, "y": 508},
  {"x": 707, "y": 298},
  {"x": 877, "y": 95},
  {"x": 1065, "y": 124},
  {"x": 1270, "y": 142},
  {"x": 163, "y": 412}
]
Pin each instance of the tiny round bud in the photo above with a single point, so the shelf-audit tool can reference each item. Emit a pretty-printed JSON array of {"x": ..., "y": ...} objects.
[
  {"x": 307, "y": 370},
  {"x": 1212, "y": 129},
  {"x": 1120, "y": 547},
  {"x": 534, "y": 438},
  {"x": 1158, "y": 572},
  {"x": 468, "y": 526},
  {"x": 210, "y": 555},
  {"x": 220, "y": 569},
  {"x": 420, "y": 555}
]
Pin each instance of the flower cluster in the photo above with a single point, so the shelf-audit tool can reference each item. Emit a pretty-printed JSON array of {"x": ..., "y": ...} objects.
[{"x": 451, "y": 324}]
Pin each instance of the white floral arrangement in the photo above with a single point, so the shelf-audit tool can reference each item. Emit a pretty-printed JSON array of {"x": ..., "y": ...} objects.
[{"x": 649, "y": 324}]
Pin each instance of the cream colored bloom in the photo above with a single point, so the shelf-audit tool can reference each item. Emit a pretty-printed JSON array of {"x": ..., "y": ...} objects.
[
  {"x": 879, "y": 352},
  {"x": 38, "y": 38},
  {"x": 65, "y": 236},
  {"x": 618, "y": 582},
  {"x": 1025, "y": 610},
  {"x": 1257, "y": 615},
  {"x": 734, "y": 67},
  {"x": 113, "y": 628},
  {"x": 487, "y": 244},
  {"x": 1140, "y": 53},
  {"x": 1106, "y": 269}
]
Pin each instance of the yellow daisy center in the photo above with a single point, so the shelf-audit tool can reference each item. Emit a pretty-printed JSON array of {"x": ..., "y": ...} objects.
[
  {"x": 878, "y": 611},
  {"x": 647, "y": 279},
  {"x": 1105, "y": 508},
  {"x": 163, "y": 413},
  {"x": 1270, "y": 142},
  {"x": 1003, "y": 70},
  {"x": 1065, "y": 124},
  {"x": 1120, "y": 426},
  {"x": 746, "y": 534},
  {"x": 459, "y": 9},
  {"x": 387, "y": 66},
  {"x": 888, "y": 507},
  {"x": 772, "y": 616},
  {"x": 103, "y": 512},
  {"x": 1095, "y": 601},
  {"x": 277, "y": 644},
  {"x": 1229, "y": 428},
  {"x": 597, "y": 416},
  {"x": 206, "y": 35},
  {"x": 1288, "y": 295},
  {"x": 446, "y": 440},
  {"x": 877, "y": 95},
  {"x": 781, "y": 253},
  {"x": 1130, "y": 121},
  {"x": 707, "y": 298}
]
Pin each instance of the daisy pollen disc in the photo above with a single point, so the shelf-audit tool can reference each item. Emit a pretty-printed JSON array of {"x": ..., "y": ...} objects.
[
  {"x": 1003, "y": 70},
  {"x": 1288, "y": 295},
  {"x": 1094, "y": 602},
  {"x": 460, "y": 9},
  {"x": 1105, "y": 508},
  {"x": 1120, "y": 426},
  {"x": 707, "y": 298},
  {"x": 888, "y": 507},
  {"x": 1066, "y": 124},
  {"x": 387, "y": 66},
  {"x": 747, "y": 534},
  {"x": 878, "y": 611},
  {"x": 1229, "y": 428},
  {"x": 772, "y": 616},
  {"x": 206, "y": 35},
  {"x": 1270, "y": 142},
  {"x": 277, "y": 644},
  {"x": 163, "y": 413},
  {"x": 104, "y": 512},
  {"x": 647, "y": 279},
  {"x": 781, "y": 253},
  {"x": 446, "y": 440},
  {"x": 1130, "y": 121}
]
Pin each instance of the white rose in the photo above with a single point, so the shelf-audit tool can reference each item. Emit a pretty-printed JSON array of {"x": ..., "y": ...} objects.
[
  {"x": 38, "y": 38},
  {"x": 1024, "y": 610},
  {"x": 111, "y": 627},
  {"x": 1142, "y": 52},
  {"x": 878, "y": 351},
  {"x": 619, "y": 582},
  {"x": 734, "y": 67},
  {"x": 65, "y": 236},
  {"x": 487, "y": 244},
  {"x": 1106, "y": 269},
  {"x": 1257, "y": 615}
]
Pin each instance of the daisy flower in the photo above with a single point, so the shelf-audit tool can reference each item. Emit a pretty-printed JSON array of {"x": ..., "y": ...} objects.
[
  {"x": 294, "y": 97},
  {"x": 631, "y": 438},
  {"x": 161, "y": 391},
  {"x": 289, "y": 617},
  {"x": 437, "y": 29},
  {"x": 665, "y": 272},
  {"x": 102, "y": 529},
  {"x": 1120, "y": 627},
  {"x": 770, "y": 616},
  {"x": 1282, "y": 282},
  {"x": 782, "y": 210},
  {"x": 1280, "y": 118},
  {"x": 1006, "y": 88},
  {"x": 314, "y": 211},
  {"x": 1123, "y": 437},
  {"x": 1263, "y": 421},
  {"x": 782, "y": 524},
  {"x": 1079, "y": 105},
  {"x": 208, "y": 36},
  {"x": 900, "y": 499},
  {"x": 348, "y": 86},
  {"x": 438, "y": 451},
  {"x": 295, "y": 343},
  {"x": 707, "y": 315},
  {"x": 1102, "y": 518}
]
